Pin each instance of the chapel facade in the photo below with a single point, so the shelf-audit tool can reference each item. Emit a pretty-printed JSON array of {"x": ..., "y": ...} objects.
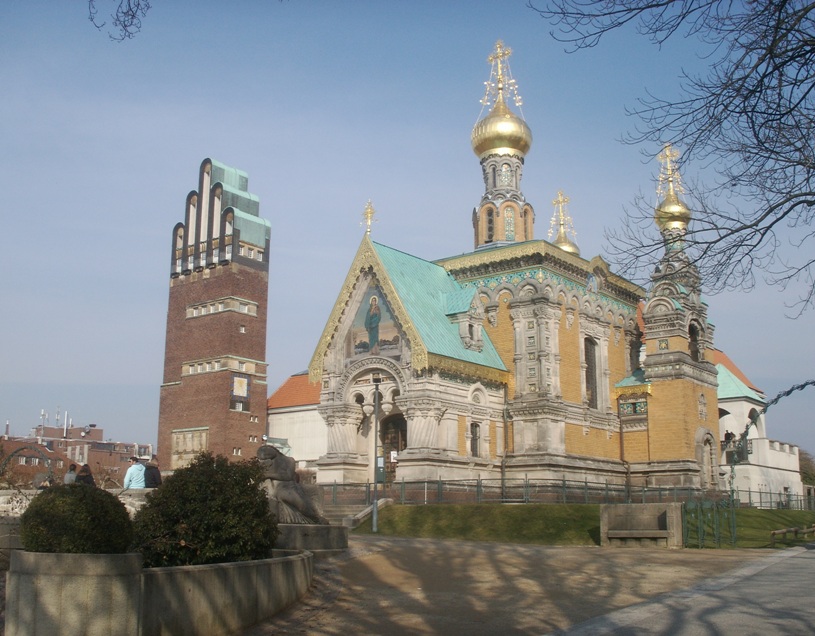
[{"x": 522, "y": 357}]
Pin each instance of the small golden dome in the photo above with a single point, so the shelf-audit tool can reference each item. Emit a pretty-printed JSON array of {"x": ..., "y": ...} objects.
[
  {"x": 567, "y": 245},
  {"x": 501, "y": 132},
  {"x": 671, "y": 213}
]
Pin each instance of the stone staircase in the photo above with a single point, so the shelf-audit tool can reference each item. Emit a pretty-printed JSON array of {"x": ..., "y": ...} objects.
[{"x": 335, "y": 513}]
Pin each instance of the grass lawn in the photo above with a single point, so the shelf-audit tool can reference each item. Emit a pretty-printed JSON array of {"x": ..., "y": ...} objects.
[{"x": 559, "y": 524}]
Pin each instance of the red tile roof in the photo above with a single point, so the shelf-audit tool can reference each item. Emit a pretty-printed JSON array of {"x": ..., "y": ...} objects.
[{"x": 296, "y": 391}]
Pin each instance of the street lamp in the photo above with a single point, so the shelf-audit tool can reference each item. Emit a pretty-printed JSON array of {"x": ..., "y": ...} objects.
[{"x": 375, "y": 514}]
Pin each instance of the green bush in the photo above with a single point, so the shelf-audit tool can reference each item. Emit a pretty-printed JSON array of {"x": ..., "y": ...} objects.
[
  {"x": 76, "y": 518},
  {"x": 212, "y": 511}
]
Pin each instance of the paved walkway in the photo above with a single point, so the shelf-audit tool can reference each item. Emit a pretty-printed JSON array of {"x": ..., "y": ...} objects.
[{"x": 406, "y": 586}]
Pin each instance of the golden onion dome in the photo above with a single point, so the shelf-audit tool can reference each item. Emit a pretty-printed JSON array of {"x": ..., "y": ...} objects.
[
  {"x": 563, "y": 242},
  {"x": 671, "y": 213},
  {"x": 501, "y": 132}
]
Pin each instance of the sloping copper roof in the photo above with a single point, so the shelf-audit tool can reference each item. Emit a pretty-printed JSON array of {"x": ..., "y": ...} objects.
[
  {"x": 296, "y": 391},
  {"x": 720, "y": 357}
]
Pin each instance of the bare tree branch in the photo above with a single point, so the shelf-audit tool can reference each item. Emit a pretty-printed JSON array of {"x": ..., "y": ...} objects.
[
  {"x": 751, "y": 118},
  {"x": 126, "y": 18}
]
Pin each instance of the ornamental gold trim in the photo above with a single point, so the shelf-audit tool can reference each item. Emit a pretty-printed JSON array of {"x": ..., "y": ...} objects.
[
  {"x": 639, "y": 389},
  {"x": 367, "y": 259},
  {"x": 460, "y": 264},
  {"x": 461, "y": 367}
]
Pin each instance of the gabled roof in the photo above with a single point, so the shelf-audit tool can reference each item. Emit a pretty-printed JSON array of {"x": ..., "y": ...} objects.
[
  {"x": 295, "y": 391},
  {"x": 720, "y": 357},
  {"x": 420, "y": 295},
  {"x": 428, "y": 293},
  {"x": 731, "y": 387}
]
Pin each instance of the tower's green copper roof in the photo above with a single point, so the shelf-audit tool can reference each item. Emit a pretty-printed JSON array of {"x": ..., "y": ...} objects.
[
  {"x": 253, "y": 229},
  {"x": 235, "y": 194},
  {"x": 428, "y": 294},
  {"x": 730, "y": 387}
]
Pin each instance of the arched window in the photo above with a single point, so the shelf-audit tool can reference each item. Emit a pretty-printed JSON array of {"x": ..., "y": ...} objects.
[
  {"x": 693, "y": 342},
  {"x": 475, "y": 439},
  {"x": 509, "y": 223},
  {"x": 590, "y": 352},
  {"x": 490, "y": 226}
]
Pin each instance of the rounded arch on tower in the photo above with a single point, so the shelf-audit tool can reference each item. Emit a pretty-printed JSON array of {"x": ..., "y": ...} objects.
[
  {"x": 707, "y": 457},
  {"x": 659, "y": 305},
  {"x": 696, "y": 339}
]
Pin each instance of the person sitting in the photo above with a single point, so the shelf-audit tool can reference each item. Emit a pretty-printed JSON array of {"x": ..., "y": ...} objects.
[
  {"x": 70, "y": 476},
  {"x": 152, "y": 474},
  {"x": 134, "y": 477},
  {"x": 84, "y": 476}
]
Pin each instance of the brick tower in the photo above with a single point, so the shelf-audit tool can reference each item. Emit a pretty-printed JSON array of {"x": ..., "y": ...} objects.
[
  {"x": 213, "y": 396},
  {"x": 683, "y": 418}
]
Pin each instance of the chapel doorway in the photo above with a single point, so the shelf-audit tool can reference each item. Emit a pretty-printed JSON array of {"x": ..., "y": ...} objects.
[{"x": 394, "y": 441}]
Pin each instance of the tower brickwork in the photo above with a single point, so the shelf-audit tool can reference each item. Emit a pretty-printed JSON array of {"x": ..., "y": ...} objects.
[
  {"x": 213, "y": 395},
  {"x": 683, "y": 425}
]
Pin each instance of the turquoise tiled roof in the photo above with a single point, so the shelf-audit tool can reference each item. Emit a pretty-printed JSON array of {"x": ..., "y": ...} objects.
[
  {"x": 428, "y": 293},
  {"x": 730, "y": 387},
  {"x": 635, "y": 379}
]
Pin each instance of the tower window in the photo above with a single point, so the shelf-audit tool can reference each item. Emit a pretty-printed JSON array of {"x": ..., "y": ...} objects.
[
  {"x": 509, "y": 224},
  {"x": 490, "y": 226},
  {"x": 590, "y": 351},
  {"x": 693, "y": 342}
]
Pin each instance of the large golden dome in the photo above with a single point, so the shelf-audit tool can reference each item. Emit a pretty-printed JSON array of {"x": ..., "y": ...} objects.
[
  {"x": 501, "y": 132},
  {"x": 671, "y": 213}
]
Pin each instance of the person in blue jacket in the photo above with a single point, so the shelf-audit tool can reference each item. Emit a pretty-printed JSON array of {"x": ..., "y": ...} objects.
[{"x": 134, "y": 477}]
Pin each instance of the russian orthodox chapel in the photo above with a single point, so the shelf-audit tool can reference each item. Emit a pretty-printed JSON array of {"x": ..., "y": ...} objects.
[{"x": 520, "y": 358}]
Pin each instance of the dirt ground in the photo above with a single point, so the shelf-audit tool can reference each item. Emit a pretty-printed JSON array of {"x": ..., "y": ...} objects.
[{"x": 400, "y": 586}]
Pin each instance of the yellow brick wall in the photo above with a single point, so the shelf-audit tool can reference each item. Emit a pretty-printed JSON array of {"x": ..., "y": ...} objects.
[
  {"x": 503, "y": 338},
  {"x": 570, "y": 372},
  {"x": 636, "y": 446},
  {"x": 595, "y": 444},
  {"x": 617, "y": 355},
  {"x": 673, "y": 418},
  {"x": 675, "y": 343}
]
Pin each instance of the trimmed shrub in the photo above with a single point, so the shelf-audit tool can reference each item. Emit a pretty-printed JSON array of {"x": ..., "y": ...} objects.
[
  {"x": 78, "y": 519},
  {"x": 212, "y": 511}
]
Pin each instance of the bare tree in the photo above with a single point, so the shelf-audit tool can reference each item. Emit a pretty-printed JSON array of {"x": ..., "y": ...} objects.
[
  {"x": 126, "y": 18},
  {"x": 751, "y": 118}
]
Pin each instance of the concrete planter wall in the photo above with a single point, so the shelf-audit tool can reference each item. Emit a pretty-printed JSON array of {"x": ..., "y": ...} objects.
[
  {"x": 209, "y": 600},
  {"x": 111, "y": 595},
  {"x": 90, "y": 594}
]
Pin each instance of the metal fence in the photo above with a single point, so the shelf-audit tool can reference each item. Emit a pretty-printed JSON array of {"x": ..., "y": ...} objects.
[{"x": 550, "y": 491}]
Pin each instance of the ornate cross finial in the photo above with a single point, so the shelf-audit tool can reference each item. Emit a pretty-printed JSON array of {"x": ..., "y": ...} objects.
[
  {"x": 562, "y": 225},
  {"x": 368, "y": 216},
  {"x": 561, "y": 219},
  {"x": 500, "y": 77},
  {"x": 668, "y": 173}
]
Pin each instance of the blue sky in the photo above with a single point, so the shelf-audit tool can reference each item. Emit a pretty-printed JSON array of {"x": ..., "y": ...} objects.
[{"x": 324, "y": 105}]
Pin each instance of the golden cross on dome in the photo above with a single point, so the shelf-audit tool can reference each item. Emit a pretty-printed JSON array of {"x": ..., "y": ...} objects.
[
  {"x": 560, "y": 203},
  {"x": 668, "y": 172},
  {"x": 368, "y": 216},
  {"x": 500, "y": 77},
  {"x": 562, "y": 222}
]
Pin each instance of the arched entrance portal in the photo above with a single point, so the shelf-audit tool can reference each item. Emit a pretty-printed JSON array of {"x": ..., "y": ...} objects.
[{"x": 394, "y": 440}]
